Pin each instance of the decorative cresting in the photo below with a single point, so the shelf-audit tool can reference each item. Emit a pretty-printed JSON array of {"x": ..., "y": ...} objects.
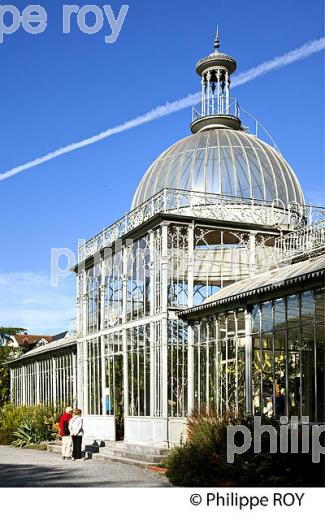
[
  {"x": 206, "y": 205},
  {"x": 216, "y": 109}
]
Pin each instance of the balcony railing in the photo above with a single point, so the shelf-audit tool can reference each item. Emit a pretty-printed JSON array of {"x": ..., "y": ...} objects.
[
  {"x": 203, "y": 205},
  {"x": 217, "y": 105},
  {"x": 308, "y": 240}
]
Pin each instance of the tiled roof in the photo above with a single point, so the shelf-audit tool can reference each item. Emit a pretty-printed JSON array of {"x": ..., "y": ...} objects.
[
  {"x": 30, "y": 339},
  {"x": 44, "y": 349}
]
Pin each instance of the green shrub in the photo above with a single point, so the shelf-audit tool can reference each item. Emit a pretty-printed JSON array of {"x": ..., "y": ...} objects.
[
  {"x": 202, "y": 460},
  {"x": 28, "y": 433},
  {"x": 17, "y": 421},
  {"x": 196, "y": 466}
]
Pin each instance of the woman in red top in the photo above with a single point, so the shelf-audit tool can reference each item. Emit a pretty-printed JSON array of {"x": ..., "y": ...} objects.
[{"x": 65, "y": 433}]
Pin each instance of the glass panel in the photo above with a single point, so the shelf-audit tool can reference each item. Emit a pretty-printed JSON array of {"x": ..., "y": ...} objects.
[
  {"x": 212, "y": 172},
  {"x": 294, "y": 339},
  {"x": 279, "y": 373},
  {"x": 308, "y": 372},
  {"x": 267, "y": 373},
  {"x": 307, "y": 306},
  {"x": 279, "y": 313},
  {"x": 320, "y": 342},
  {"x": 177, "y": 368},
  {"x": 320, "y": 305},
  {"x": 267, "y": 322},
  {"x": 242, "y": 173},
  {"x": 184, "y": 180},
  {"x": 256, "y": 175},
  {"x": 256, "y": 376},
  {"x": 280, "y": 179},
  {"x": 198, "y": 171},
  {"x": 268, "y": 176},
  {"x": 227, "y": 170},
  {"x": 293, "y": 310},
  {"x": 256, "y": 319}
]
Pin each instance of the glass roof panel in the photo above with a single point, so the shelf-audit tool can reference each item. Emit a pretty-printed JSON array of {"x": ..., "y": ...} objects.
[{"x": 248, "y": 168}]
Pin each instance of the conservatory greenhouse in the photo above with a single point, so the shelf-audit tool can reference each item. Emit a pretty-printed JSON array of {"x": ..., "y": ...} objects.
[{"x": 209, "y": 292}]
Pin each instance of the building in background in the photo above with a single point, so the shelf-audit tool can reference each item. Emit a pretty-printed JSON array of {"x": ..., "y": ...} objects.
[
  {"x": 26, "y": 342},
  {"x": 208, "y": 292}
]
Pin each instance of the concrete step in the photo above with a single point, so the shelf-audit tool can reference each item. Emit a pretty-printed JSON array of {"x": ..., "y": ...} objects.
[
  {"x": 117, "y": 451},
  {"x": 153, "y": 450},
  {"x": 132, "y": 455},
  {"x": 121, "y": 460},
  {"x": 141, "y": 448}
]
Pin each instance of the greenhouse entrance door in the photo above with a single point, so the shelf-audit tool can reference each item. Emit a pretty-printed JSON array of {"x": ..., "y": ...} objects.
[{"x": 116, "y": 392}]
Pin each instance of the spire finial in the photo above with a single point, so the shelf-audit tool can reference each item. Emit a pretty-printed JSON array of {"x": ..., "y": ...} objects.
[{"x": 217, "y": 40}]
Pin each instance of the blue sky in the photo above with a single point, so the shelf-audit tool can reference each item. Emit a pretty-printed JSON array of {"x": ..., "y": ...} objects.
[{"x": 57, "y": 89}]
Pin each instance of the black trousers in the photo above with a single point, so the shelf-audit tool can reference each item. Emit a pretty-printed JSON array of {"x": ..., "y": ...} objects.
[{"x": 76, "y": 446}]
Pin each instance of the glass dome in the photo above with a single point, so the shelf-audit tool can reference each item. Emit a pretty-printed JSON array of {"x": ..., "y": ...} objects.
[{"x": 222, "y": 161}]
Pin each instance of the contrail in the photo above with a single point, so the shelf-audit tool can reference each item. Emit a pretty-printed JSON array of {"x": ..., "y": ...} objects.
[{"x": 169, "y": 108}]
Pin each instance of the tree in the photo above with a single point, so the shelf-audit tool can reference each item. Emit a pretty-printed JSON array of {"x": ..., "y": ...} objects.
[
  {"x": 7, "y": 353},
  {"x": 11, "y": 331}
]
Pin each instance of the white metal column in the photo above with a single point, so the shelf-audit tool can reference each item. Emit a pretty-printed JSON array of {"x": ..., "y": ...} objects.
[
  {"x": 11, "y": 397},
  {"x": 102, "y": 338},
  {"x": 190, "y": 367},
  {"x": 74, "y": 379},
  {"x": 153, "y": 266},
  {"x": 164, "y": 324},
  {"x": 80, "y": 376},
  {"x": 54, "y": 380},
  {"x": 124, "y": 319},
  {"x": 24, "y": 385},
  {"x": 227, "y": 81},
  {"x": 248, "y": 361},
  {"x": 125, "y": 375},
  {"x": 85, "y": 377},
  {"x": 252, "y": 253},
  {"x": 37, "y": 378}
]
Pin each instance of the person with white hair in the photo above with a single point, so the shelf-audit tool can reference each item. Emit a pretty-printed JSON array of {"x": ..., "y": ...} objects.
[
  {"x": 76, "y": 432},
  {"x": 65, "y": 433}
]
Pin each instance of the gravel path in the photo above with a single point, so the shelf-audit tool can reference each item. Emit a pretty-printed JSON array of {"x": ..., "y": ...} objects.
[{"x": 32, "y": 468}]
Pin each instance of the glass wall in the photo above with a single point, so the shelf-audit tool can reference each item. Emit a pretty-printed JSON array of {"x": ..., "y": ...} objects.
[
  {"x": 114, "y": 394},
  {"x": 127, "y": 273},
  {"x": 94, "y": 377},
  {"x": 178, "y": 266},
  {"x": 64, "y": 371},
  {"x": 93, "y": 299},
  {"x": 177, "y": 368},
  {"x": 46, "y": 393},
  {"x": 221, "y": 257},
  {"x": 157, "y": 369},
  {"x": 17, "y": 382},
  {"x": 113, "y": 301},
  {"x": 288, "y": 356},
  {"x": 31, "y": 384},
  {"x": 219, "y": 363},
  {"x": 138, "y": 279},
  {"x": 138, "y": 355},
  {"x": 47, "y": 381},
  {"x": 156, "y": 255}
]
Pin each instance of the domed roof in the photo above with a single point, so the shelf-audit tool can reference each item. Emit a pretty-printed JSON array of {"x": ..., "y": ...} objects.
[{"x": 222, "y": 161}]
